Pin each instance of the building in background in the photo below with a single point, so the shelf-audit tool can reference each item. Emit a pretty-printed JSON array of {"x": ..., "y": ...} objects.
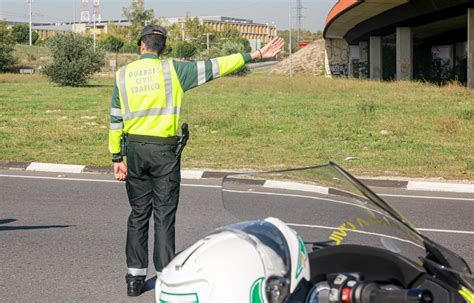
[
  {"x": 46, "y": 30},
  {"x": 256, "y": 33}
]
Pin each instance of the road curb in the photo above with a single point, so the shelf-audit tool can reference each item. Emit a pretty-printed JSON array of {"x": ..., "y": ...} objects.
[{"x": 448, "y": 186}]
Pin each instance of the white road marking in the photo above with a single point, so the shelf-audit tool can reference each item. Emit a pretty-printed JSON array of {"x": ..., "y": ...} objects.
[
  {"x": 307, "y": 197},
  {"x": 296, "y": 186},
  {"x": 192, "y": 174},
  {"x": 449, "y": 231},
  {"x": 200, "y": 185},
  {"x": 60, "y": 178},
  {"x": 97, "y": 180},
  {"x": 439, "y": 186},
  {"x": 218, "y": 186},
  {"x": 276, "y": 194},
  {"x": 55, "y": 168},
  {"x": 426, "y": 197}
]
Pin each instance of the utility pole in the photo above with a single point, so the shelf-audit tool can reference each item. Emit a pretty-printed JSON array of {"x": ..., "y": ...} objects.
[
  {"x": 31, "y": 17},
  {"x": 207, "y": 40},
  {"x": 299, "y": 18},
  {"x": 291, "y": 42},
  {"x": 183, "y": 35},
  {"x": 97, "y": 17},
  {"x": 95, "y": 34},
  {"x": 74, "y": 1}
]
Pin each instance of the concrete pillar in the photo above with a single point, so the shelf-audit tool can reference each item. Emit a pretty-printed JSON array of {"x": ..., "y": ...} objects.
[
  {"x": 375, "y": 58},
  {"x": 404, "y": 53},
  {"x": 363, "y": 60},
  {"x": 470, "y": 48},
  {"x": 353, "y": 57}
]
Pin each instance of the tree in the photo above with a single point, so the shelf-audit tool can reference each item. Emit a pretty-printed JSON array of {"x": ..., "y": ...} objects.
[
  {"x": 111, "y": 44},
  {"x": 195, "y": 34},
  {"x": 139, "y": 17},
  {"x": 131, "y": 47},
  {"x": 74, "y": 59},
  {"x": 21, "y": 34},
  {"x": 184, "y": 49},
  {"x": 7, "y": 47}
]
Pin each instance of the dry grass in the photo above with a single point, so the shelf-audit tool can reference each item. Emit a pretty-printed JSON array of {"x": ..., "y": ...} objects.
[
  {"x": 122, "y": 59},
  {"x": 31, "y": 56},
  {"x": 19, "y": 78},
  {"x": 261, "y": 122}
]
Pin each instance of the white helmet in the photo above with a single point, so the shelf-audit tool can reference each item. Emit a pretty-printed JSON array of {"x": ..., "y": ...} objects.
[{"x": 256, "y": 262}]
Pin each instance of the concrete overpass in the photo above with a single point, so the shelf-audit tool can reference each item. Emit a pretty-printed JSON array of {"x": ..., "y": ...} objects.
[{"x": 402, "y": 39}]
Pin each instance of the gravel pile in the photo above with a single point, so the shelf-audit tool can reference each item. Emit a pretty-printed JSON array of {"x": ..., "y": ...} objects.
[{"x": 308, "y": 60}]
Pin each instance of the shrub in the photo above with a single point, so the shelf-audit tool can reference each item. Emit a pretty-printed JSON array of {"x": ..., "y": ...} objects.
[
  {"x": 131, "y": 47},
  {"x": 232, "y": 47},
  {"x": 31, "y": 57},
  {"x": 74, "y": 59},
  {"x": 7, "y": 47},
  {"x": 21, "y": 34},
  {"x": 112, "y": 44},
  {"x": 184, "y": 49}
]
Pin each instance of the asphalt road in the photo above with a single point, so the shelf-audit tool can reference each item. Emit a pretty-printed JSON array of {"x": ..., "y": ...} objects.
[{"x": 62, "y": 236}]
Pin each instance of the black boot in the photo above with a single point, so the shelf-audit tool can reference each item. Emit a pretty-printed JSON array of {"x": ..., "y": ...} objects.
[{"x": 135, "y": 285}]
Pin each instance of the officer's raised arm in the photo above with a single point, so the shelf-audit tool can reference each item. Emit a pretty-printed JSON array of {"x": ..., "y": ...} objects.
[
  {"x": 194, "y": 74},
  {"x": 270, "y": 50}
]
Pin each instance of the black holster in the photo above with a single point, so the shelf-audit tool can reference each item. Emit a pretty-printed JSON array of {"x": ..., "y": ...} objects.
[
  {"x": 183, "y": 140},
  {"x": 123, "y": 145}
]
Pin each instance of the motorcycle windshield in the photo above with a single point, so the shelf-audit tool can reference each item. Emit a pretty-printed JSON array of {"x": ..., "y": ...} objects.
[{"x": 325, "y": 203}]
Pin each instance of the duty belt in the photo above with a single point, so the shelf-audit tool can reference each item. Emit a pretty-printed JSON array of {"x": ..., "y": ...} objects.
[{"x": 153, "y": 140}]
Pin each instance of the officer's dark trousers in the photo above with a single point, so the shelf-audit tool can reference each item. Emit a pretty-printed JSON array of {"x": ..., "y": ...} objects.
[{"x": 153, "y": 187}]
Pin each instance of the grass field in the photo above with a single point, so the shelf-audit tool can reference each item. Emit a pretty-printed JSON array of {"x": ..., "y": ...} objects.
[
  {"x": 31, "y": 56},
  {"x": 260, "y": 122}
]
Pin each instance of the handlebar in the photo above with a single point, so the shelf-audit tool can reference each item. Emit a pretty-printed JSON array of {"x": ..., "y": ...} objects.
[
  {"x": 367, "y": 292},
  {"x": 372, "y": 293}
]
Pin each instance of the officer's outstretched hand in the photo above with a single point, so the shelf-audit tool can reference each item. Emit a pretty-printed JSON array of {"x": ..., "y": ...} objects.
[
  {"x": 270, "y": 50},
  {"x": 120, "y": 171}
]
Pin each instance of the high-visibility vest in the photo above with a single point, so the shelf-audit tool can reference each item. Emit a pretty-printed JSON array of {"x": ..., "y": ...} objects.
[
  {"x": 150, "y": 97},
  {"x": 151, "y": 94}
]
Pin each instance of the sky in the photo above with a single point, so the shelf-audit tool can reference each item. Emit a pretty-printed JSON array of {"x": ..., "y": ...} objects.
[{"x": 262, "y": 11}]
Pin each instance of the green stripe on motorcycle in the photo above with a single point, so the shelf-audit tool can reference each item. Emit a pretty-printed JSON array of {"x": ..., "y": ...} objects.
[
  {"x": 166, "y": 297},
  {"x": 302, "y": 257},
  {"x": 256, "y": 295}
]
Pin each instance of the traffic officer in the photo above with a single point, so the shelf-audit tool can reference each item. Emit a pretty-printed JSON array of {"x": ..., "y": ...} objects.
[{"x": 146, "y": 106}]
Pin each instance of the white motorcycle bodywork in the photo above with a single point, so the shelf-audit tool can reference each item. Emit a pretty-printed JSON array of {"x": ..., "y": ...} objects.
[{"x": 230, "y": 266}]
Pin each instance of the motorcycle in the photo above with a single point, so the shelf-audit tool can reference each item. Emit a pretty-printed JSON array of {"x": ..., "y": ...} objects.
[{"x": 340, "y": 243}]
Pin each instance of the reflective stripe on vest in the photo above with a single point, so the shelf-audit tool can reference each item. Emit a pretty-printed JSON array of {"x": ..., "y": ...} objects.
[
  {"x": 216, "y": 71},
  {"x": 201, "y": 72},
  {"x": 116, "y": 112},
  {"x": 116, "y": 126},
  {"x": 170, "y": 109}
]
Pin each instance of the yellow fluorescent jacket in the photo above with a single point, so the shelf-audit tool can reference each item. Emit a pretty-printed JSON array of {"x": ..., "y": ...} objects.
[{"x": 151, "y": 95}]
